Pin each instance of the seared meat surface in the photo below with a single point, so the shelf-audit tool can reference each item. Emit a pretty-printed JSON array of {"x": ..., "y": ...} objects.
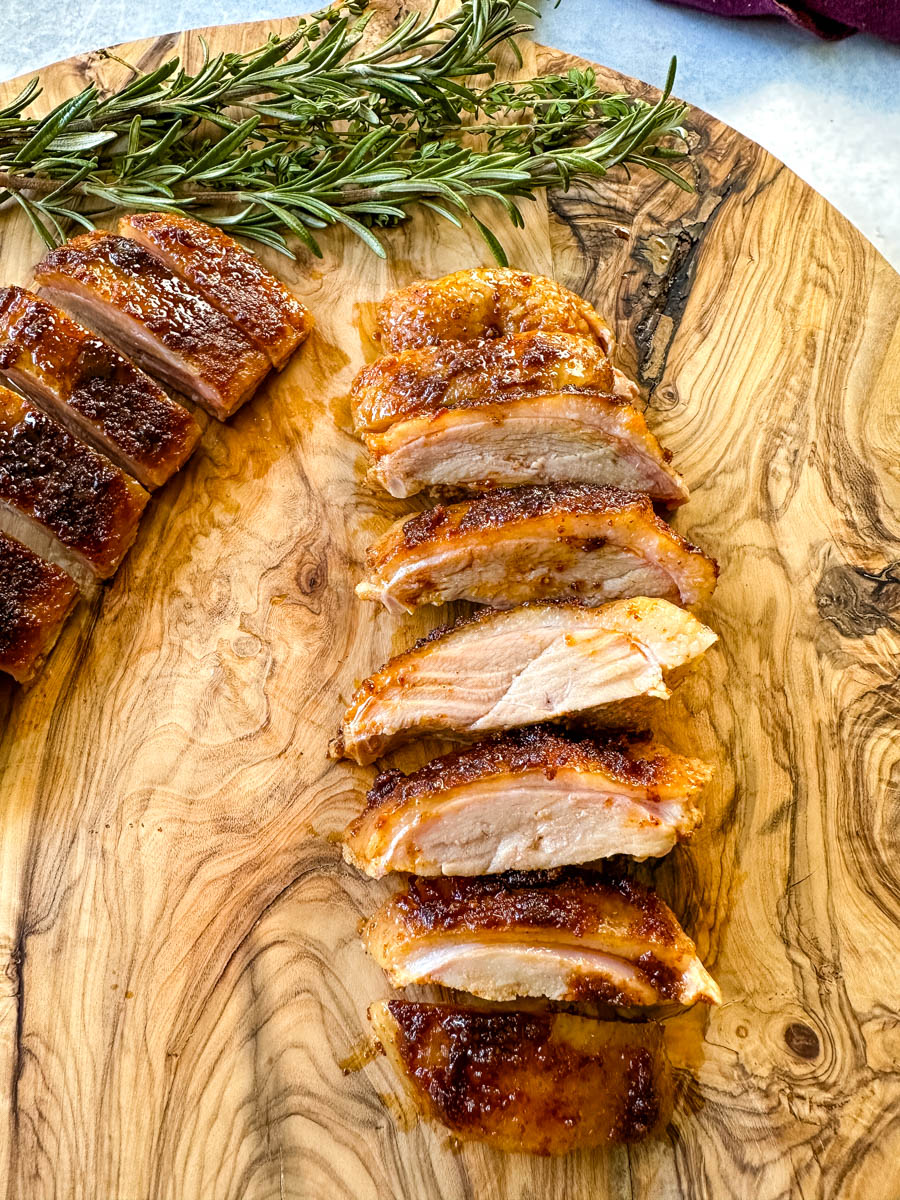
[
  {"x": 536, "y": 1083},
  {"x": 501, "y": 670},
  {"x": 464, "y": 374},
  {"x": 231, "y": 278},
  {"x": 35, "y": 599},
  {"x": 528, "y": 800},
  {"x": 569, "y": 541},
  {"x": 75, "y": 494},
  {"x": 557, "y": 437},
  {"x": 488, "y": 302},
  {"x": 155, "y": 317},
  {"x": 567, "y": 935},
  {"x": 91, "y": 389}
]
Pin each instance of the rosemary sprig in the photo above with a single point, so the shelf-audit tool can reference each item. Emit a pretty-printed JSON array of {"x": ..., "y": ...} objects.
[{"x": 315, "y": 129}]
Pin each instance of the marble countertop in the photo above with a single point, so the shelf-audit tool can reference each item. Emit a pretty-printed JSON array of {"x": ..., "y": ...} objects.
[{"x": 831, "y": 111}]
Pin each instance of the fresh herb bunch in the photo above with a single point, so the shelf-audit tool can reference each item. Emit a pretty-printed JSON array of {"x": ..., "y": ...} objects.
[{"x": 316, "y": 129}]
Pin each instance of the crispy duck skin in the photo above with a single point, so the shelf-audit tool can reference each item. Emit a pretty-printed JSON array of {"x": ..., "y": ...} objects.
[
  {"x": 155, "y": 317},
  {"x": 423, "y": 381},
  {"x": 36, "y": 597},
  {"x": 532, "y": 1082},
  {"x": 487, "y": 302},
  {"x": 528, "y": 800},
  {"x": 558, "y": 437},
  {"x": 56, "y": 482},
  {"x": 91, "y": 389},
  {"x": 502, "y": 670},
  {"x": 565, "y": 541},
  {"x": 565, "y": 935},
  {"x": 231, "y": 278}
]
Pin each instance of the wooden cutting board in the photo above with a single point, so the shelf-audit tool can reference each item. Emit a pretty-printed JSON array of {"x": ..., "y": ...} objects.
[{"x": 181, "y": 978}]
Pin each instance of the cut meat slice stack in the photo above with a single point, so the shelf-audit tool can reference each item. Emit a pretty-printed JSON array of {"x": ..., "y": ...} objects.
[
  {"x": 498, "y": 384},
  {"x": 190, "y": 305}
]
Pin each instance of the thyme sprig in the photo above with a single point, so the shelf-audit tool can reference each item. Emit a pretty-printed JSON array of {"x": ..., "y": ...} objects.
[{"x": 320, "y": 128}]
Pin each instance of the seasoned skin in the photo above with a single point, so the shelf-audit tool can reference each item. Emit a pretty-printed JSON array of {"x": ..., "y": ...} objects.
[
  {"x": 229, "y": 277},
  {"x": 486, "y": 302},
  {"x": 91, "y": 389},
  {"x": 557, "y": 542},
  {"x": 528, "y": 800},
  {"x": 158, "y": 319},
  {"x": 464, "y": 374},
  {"x": 73, "y": 492},
  {"x": 560, "y": 437},
  {"x": 36, "y": 597},
  {"x": 536, "y": 1083},
  {"x": 566, "y": 935},
  {"x": 503, "y": 670}
]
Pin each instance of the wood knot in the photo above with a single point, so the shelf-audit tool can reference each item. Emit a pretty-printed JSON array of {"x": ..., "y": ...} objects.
[
  {"x": 311, "y": 577},
  {"x": 859, "y": 602},
  {"x": 802, "y": 1040}
]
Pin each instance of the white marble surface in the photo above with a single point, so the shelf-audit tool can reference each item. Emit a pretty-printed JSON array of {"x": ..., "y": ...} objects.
[{"x": 831, "y": 111}]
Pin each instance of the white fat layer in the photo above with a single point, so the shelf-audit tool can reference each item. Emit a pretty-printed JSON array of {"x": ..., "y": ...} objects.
[
  {"x": 530, "y": 822},
  {"x": 506, "y": 970}
]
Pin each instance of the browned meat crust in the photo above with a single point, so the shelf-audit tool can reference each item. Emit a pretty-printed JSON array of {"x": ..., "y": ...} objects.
[
  {"x": 626, "y": 758},
  {"x": 35, "y": 599},
  {"x": 159, "y": 318},
  {"x": 229, "y": 276},
  {"x": 547, "y": 542},
  {"x": 484, "y": 303},
  {"x": 92, "y": 389},
  {"x": 461, "y": 374},
  {"x": 76, "y": 494},
  {"x": 538, "y": 1083}
]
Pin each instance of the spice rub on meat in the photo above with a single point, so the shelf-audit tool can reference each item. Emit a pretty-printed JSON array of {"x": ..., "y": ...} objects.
[
  {"x": 571, "y": 541},
  {"x": 52, "y": 480},
  {"x": 566, "y": 935},
  {"x": 36, "y": 597},
  {"x": 494, "y": 1076},
  {"x": 487, "y": 302},
  {"x": 528, "y": 800},
  {"x": 155, "y": 317},
  {"x": 231, "y": 278},
  {"x": 92, "y": 389},
  {"x": 503, "y": 670}
]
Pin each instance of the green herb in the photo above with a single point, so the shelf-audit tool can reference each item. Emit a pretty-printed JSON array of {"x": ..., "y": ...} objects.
[{"x": 318, "y": 128}]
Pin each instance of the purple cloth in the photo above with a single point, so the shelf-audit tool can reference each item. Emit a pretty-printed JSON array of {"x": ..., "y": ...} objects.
[{"x": 828, "y": 18}]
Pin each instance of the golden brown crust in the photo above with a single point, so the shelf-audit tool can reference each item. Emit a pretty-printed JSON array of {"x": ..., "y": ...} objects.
[
  {"x": 627, "y": 759},
  {"x": 91, "y": 506},
  {"x": 459, "y": 375},
  {"x": 229, "y": 276},
  {"x": 540, "y": 1083},
  {"x": 35, "y": 599},
  {"x": 484, "y": 303},
  {"x": 58, "y": 361},
  {"x": 568, "y": 899},
  {"x": 118, "y": 274}
]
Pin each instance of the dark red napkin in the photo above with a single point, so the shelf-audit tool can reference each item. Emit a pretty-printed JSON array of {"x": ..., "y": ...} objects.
[{"x": 828, "y": 18}]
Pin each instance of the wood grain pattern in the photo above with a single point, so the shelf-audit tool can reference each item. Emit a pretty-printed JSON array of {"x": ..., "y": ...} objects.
[{"x": 180, "y": 969}]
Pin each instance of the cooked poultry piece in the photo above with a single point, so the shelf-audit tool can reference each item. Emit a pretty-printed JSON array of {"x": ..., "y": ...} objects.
[
  {"x": 532, "y": 1082},
  {"x": 568, "y": 541},
  {"x": 91, "y": 389},
  {"x": 566, "y": 935},
  {"x": 35, "y": 599},
  {"x": 56, "y": 482},
  {"x": 528, "y": 800},
  {"x": 560, "y": 437},
  {"x": 500, "y": 670},
  {"x": 487, "y": 302},
  {"x": 155, "y": 317},
  {"x": 231, "y": 278},
  {"x": 422, "y": 382}
]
